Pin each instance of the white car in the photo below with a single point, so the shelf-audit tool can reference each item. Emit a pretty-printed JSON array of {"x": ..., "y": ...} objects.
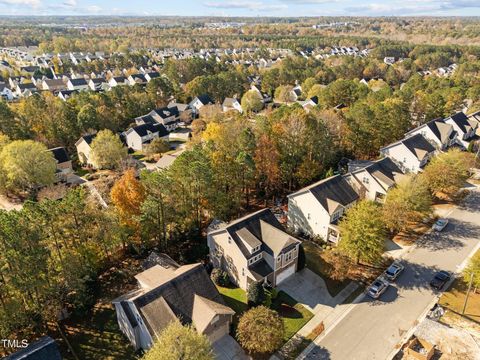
[
  {"x": 393, "y": 271},
  {"x": 377, "y": 288},
  {"x": 440, "y": 224}
]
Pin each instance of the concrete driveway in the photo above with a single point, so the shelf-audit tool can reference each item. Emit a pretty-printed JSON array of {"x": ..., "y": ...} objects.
[
  {"x": 308, "y": 289},
  {"x": 227, "y": 348}
]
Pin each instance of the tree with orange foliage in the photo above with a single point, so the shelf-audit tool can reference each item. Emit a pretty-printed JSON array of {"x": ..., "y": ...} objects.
[{"x": 127, "y": 195}]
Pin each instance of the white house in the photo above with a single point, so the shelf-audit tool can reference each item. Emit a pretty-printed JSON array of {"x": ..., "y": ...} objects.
[
  {"x": 465, "y": 128},
  {"x": 5, "y": 92},
  {"x": 410, "y": 154},
  {"x": 166, "y": 293},
  {"x": 309, "y": 103},
  {"x": 199, "y": 102},
  {"x": 78, "y": 84},
  {"x": 140, "y": 136},
  {"x": 440, "y": 134},
  {"x": 315, "y": 209},
  {"x": 255, "y": 248},
  {"x": 53, "y": 85},
  {"x": 135, "y": 79},
  {"x": 167, "y": 116},
  {"x": 117, "y": 81},
  {"x": 152, "y": 75},
  {"x": 98, "y": 84},
  {"x": 230, "y": 104},
  {"x": 373, "y": 181}
]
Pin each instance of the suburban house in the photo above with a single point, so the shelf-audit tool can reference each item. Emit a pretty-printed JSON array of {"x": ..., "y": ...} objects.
[
  {"x": 465, "y": 128},
  {"x": 295, "y": 93},
  {"x": 440, "y": 134},
  {"x": 374, "y": 180},
  {"x": 253, "y": 248},
  {"x": 77, "y": 84},
  {"x": 199, "y": 102},
  {"x": 316, "y": 209},
  {"x": 65, "y": 94},
  {"x": 25, "y": 90},
  {"x": 152, "y": 75},
  {"x": 167, "y": 116},
  {"x": 309, "y": 103},
  {"x": 184, "y": 110},
  {"x": 135, "y": 79},
  {"x": 117, "y": 81},
  {"x": 140, "y": 136},
  {"x": 53, "y": 85},
  {"x": 83, "y": 149},
  {"x": 98, "y": 84},
  {"x": 44, "y": 348},
  {"x": 410, "y": 154},
  {"x": 230, "y": 104},
  {"x": 64, "y": 164},
  {"x": 263, "y": 96},
  {"x": 168, "y": 292},
  {"x": 5, "y": 92}
]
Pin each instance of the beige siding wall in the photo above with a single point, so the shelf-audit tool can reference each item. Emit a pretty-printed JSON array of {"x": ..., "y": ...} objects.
[{"x": 307, "y": 215}]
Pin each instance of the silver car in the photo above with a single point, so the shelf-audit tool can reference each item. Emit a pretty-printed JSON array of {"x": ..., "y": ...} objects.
[
  {"x": 440, "y": 224},
  {"x": 393, "y": 271},
  {"x": 377, "y": 288}
]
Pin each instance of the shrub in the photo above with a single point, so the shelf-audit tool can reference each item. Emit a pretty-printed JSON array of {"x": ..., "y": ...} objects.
[
  {"x": 220, "y": 277},
  {"x": 256, "y": 293},
  {"x": 260, "y": 330}
]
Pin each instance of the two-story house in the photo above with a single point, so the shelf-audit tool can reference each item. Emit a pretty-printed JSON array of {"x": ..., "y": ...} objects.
[
  {"x": 199, "y": 102},
  {"x": 170, "y": 293},
  {"x": 231, "y": 104},
  {"x": 64, "y": 164},
  {"x": 139, "y": 136},
  {"x": 117, "y": 81},
  {"x": 78, "y": 84},
  {"x": 410, "y": 154},
  {"x": 255, "y": 248},
  {"x": 316, "y": 209},
  {"x": 466, "y": 128},
  {"x": 98, "y": 84},
  {"x": 84, "y": 148},
  {"x": 373, "y": 181},
  {"x": 440, "y": 134},
  {"x": 137, "y": 79},
  {"x": 167, "y": 116}
]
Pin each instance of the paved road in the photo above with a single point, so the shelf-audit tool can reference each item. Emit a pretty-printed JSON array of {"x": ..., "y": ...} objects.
[{"x": 372, "y": 329}]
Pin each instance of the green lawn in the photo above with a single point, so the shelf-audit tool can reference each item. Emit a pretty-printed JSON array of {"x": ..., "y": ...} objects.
[
  {"x": 316, "y": 263},
  {"x": 293, "y": 314},
  {"x": 235, "y": 298}
]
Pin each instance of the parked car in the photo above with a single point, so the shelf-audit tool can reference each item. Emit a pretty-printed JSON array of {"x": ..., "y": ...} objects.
[
  {"x": 440, "y": 279},
  {"x": 378, "y": 288},
  {"x": 393, "y": 271},
  {"x": 440, "y": 224}
]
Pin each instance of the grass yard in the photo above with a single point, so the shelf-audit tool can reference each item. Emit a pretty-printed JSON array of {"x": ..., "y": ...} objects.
[
  {"x": 235, "y": 298},
  {"x": 293, "y": 314},
  {"x": 454, "y": 299},
  {"x": 316, "y": 263}
]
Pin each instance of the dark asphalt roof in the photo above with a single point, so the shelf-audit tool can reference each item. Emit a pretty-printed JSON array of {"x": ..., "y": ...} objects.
[
  {"x": 260, "y": 269},
  {"x": 43, "y": 349},
  {"x": 144, "y": 129},
  {"x": 333, "y": 191},
  {"x": 78, "y": 82},
  {"x": 418, "y": 145},
  {"x": 60, "y": 154},
  {"x": 462, "y": 121}
]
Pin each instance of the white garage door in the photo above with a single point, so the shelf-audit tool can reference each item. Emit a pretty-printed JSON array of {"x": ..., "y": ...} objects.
[{"x": 285, "y": 273}]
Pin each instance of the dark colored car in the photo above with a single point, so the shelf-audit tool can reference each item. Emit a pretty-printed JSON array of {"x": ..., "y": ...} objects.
[{"x": 439, "y": 280}]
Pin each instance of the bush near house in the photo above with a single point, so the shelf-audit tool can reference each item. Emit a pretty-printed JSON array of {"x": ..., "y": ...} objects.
[{"x": 220, "y": 277}]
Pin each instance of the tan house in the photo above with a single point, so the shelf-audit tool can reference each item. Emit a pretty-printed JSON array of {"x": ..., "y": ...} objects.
[
  {"x": 83, "y": 146},
  {"x": 168, "y": 292},
  {"x": 253, "y": 248}
]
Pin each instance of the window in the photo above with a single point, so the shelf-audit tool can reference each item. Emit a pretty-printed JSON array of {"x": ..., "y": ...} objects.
[
  {"x": 288, "y": 256},
  {"x": 366, "y": 180},
  {"x": 308, "y": 216},
  {"x": 404, "y": 159},
  {"x": 279, "y": 259}
]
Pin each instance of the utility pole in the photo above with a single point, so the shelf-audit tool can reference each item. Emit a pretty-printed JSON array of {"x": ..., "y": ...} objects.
[{"x": 468, "y": 293}]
